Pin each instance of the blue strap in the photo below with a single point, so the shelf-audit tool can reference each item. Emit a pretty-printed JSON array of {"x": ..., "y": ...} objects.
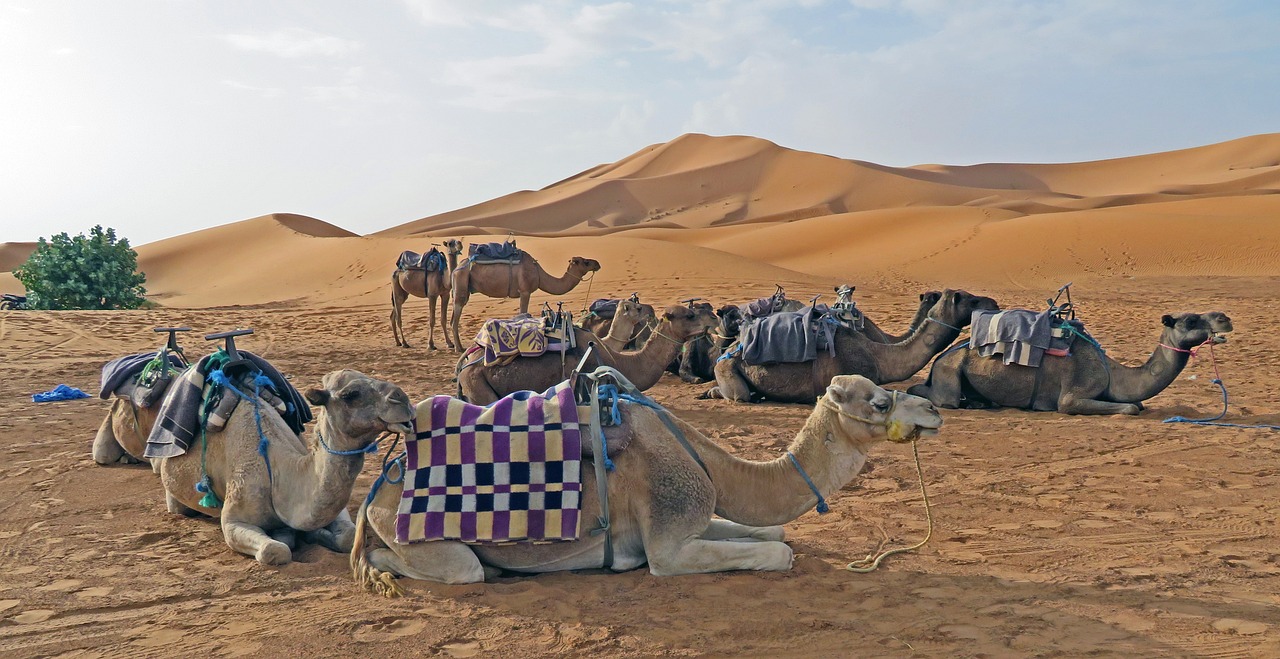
[
  {"x": 1213, "y": 420},
  {"x": 822, "y": 507},
  {"x": 370, "y": 448}
]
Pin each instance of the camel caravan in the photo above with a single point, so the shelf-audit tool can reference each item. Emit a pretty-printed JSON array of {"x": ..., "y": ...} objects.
[{"x": 549, "y": 456}]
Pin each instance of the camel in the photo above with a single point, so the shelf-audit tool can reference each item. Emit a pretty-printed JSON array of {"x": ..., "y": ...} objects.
[
  {"x": 661, "y": 501},
  {"x": 432, "y": 285},
  {"x": 483, "y": 385},
  {"x": 518, "y": 280},
  {"x": 603, "y": 327},
  {"x": 297, "y": 487},
  {"x": 627, "y": 322},
  {"x": 855, "y": 353},
  {"x": 122, "y": 436},
  {"x": 1084, "y": 382}
]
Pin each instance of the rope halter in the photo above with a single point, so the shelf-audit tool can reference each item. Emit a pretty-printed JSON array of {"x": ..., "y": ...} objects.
[{"x": 896, "y": 430}]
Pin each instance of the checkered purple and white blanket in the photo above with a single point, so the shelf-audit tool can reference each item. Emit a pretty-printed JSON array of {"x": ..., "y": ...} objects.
[{"x": 508, "y": 472}]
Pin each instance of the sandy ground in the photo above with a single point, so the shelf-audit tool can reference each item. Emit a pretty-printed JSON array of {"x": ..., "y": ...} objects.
[{"x": 1055, "y": 535}]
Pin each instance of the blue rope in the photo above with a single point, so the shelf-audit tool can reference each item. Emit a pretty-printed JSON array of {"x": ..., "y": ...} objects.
[
  {"x": 371, "y": 448},
  {"x": 1213, "y": 420},
  {"x": 733, "y": 350},
  {"x": 218, "y": 377},
  {"x": 383, "y": 478},
  {"x": 1071, "y": 328},
  {"x": 822, "y": 507},
  {"x": 612, "y": 395}
]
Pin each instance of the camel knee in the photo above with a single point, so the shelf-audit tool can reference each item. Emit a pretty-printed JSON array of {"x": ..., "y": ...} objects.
[
  {"x": 106, "y": 449},
  {"x": 273, "y": 552}
]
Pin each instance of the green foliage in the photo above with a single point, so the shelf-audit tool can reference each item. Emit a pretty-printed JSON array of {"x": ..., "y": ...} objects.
[{"x": 85, "y": 272}]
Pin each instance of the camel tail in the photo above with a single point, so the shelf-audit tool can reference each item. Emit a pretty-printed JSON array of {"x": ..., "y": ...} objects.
[{"x": 369, "y": 577}]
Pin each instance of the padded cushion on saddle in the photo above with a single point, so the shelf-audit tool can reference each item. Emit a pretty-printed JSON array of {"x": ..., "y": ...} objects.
[
  {"x": 505, "y": 252},
  {"x": 122, "y": 370},
  {"x": 430, "y": 261},
  {"x": 784, "y": 337},
  {"x": 506, "y": 472},
  {"x": 523, "y": 336},
  {"x": 605, "y": 307},
  {"x": 763, "y": 306}
]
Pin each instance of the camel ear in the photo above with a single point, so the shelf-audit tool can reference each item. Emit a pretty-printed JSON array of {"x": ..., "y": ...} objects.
[
  {"x": 922, "y": 297},
  {"x": 955, "y": 297},
  {"x": 836, "y": 395},
  {"x": 1167, "y": 320},
  {"x": 317, "y": 397}
]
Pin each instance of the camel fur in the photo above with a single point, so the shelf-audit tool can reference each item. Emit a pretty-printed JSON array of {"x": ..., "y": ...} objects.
[
  {"x": 855, "y": 353},
  {"x": 308, "y": 487},
  {"x": 661, "y": 502},
  {"x": 431, "y": 285},
  {"x": 518, "y": 280},
  {"x": 482, "y": 385},
  {"x": 1084, "y": 382},
  {"x": 122, "y": 435},
  {"x": 646, "y": 317}
]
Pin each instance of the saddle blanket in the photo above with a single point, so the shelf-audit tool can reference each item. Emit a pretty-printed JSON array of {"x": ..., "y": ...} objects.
[
  {"x": 505, "y": 252},
  {"x": 504, "y": 340},
  {"x": 789, "y": 337},
  {"x": 1020, "y": 336},
  {"x": 430, "y": 261},
  {"x": 121, "y": 369},
  {"x": 604, "y": 307},
  {"x": 508, "y": 472}
]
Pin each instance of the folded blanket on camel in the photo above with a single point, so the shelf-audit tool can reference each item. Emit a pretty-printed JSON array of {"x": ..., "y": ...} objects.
[
  {"x": 181, "y": 416},
  {"x": 504, "y": 252},
  {"x": 788, "y": 337},
  {"x": 121, "y": 369},
  {"x": 504, "y": 340},
  {"x": 507, "y": 472},
  {"x": 604, "y": 307},
  {"x": 1021, "y": 336},
  {"x": 430, "y": 261}
]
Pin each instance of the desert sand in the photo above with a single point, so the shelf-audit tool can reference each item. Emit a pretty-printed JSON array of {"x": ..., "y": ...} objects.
[{"x": 1055, "y": 535}]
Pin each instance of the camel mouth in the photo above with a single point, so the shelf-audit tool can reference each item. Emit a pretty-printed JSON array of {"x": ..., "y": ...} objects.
[
  {"x": 401, "y": 427},
  {"x": 1218, "y": 338}
]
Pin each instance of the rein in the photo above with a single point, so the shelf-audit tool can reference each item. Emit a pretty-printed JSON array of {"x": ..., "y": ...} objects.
[
  {"x": 1217, "y": 379},
  {"x": 898, "y": 436},
  {"x": 371, "y": 447}
]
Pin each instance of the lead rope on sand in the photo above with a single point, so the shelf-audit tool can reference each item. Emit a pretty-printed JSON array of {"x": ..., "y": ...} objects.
[{"x": 872, "y": 561}]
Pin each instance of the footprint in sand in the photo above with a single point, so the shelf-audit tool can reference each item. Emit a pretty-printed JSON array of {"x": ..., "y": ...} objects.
[
  {"x": 33, "y": 616},
  {"x": 461, "y": 649},
  {"x": 1241, "y": 627},
  {"x": 99, "y": 591},
  {"x": 5, "y": 605},
  {"x": 377, "y": 631},
  {"x": 62, "y": 585}
]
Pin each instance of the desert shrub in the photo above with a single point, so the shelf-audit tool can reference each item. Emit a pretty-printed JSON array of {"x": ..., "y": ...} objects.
[{"x": 97, "y": 271}]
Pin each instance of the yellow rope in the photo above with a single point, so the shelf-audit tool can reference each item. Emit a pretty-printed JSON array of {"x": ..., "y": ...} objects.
[{"x": 871, "y": 562}]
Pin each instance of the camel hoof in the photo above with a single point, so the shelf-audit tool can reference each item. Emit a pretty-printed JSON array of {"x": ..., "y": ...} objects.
[
  {"x": 774, "y": 533},
  {"x": 274, "y": 553},
  {"x": 780, "y": 558},
  {"x": 340, "y": 542},
  {"x": 1131, "y": 409}
]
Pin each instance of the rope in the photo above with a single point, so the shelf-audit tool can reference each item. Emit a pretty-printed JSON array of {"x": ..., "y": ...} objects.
[
  {"x": 586, "y": 301},
  {"x": 822, "y": 506},
  {"x": 218, "y": 377},
  {"x": 870, "y": 563},
  {"x": 372, "y": 447},
  {"x": 1217, "y": 379}
]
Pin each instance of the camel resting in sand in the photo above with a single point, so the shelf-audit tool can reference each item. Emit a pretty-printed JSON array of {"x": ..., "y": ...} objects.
[
  {"x": 603, "y": 327},
  {"x": 661, "y": 501},
  {"x": 1084, "y": 382},
  {"x": 297, "y": 487},
  {"x": 482, "y": 385},
  {"x": 123, "y": 433},
  {"x": 518, "y": 280},
  {"x": 855, "y": 353},
  {"x": 432, "y": 285}
]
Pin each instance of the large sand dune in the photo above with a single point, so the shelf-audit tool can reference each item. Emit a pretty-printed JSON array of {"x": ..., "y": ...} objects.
[{"x": 1055, "y": 535}]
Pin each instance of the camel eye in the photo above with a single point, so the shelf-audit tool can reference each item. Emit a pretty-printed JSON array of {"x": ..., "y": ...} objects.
[
  {"x": 881, "y": 405},
  {"x": 349, "y": 396}
]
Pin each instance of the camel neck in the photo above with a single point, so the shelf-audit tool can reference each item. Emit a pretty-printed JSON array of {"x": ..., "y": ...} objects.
[
  {"x": 1133, "y": 384},
  {"x": 557, "y": 285},
  {"x": 898, "y": 361},
  {"x": 619, "y": 334},
  {"x": 645, "y": 366},
  {"x": 321, "y": 482},
  {"x": 775, "y": 492}
]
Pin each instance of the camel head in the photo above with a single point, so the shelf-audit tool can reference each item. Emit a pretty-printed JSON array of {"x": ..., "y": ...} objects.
[
  {"x": 579, "y": 267},
  {"x": 930, "y": 298},
  {"x": 865, "y": 411},
  {"x": 689, "y": 321},
  {"x": 730, "y": 316},
  {"x": 360, "y": 407},
  {"x": 453, "y": 246},
  {"x": 1188, "y": 330},
  {"x": 632, "y": 311},
  {"x": 955, "y": 307}
]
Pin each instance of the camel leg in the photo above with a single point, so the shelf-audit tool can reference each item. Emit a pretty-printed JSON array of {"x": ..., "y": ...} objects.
[
  {"x": 474, "y": 387},
  {"x": 459, "y": 301},
  {"x": 943, "y": 388},
  {"x": 177, "y": 507},
  {"x": 723, "y": 529},
  {"x": 106, "y": 450},
  {"x": 398, "y": 297},
  {"x": 286, "y": 535},
  {"x": 442, "y": 562},
  {"x": 338, "y": 536},
  {"x": 431, "y": 322},
  {"x": 1069, "y": 404},
  {"x": 730, "y": 384},
  {"x": 524, "y": 302},
  {"x": 251, "y": 540},
  {"x": 695, "y": 556}
]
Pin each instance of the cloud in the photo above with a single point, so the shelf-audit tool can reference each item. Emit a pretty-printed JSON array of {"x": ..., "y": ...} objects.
[{"x": 294, "y": 43}]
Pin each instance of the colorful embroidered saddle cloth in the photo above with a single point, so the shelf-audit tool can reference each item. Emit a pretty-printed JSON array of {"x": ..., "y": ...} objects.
[
  {"x": 508, "y": 472},
  {"x": 504, "y": 340}
]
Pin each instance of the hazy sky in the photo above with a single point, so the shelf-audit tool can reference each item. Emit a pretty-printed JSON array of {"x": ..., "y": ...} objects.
[{"x": 159, "y": 117}]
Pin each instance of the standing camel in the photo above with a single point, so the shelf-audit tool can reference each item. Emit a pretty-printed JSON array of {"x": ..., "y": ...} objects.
[
  {"x": 431, "y": 285},
  {"x": 512, "y": 280}
]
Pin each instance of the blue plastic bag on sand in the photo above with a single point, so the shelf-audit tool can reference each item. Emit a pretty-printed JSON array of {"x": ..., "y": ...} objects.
[{"x": 60, "y": 392}]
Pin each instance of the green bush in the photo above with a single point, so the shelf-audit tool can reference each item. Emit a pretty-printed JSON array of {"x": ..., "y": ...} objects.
[{"x": 85, "y": 272}]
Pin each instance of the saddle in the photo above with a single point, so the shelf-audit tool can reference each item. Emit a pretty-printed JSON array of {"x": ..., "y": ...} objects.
[
  {"x": 1022, "y": 336},
  {"x": 790, "y": 337},
  {"x": 604, "y": 308},
  {"x": 504, "y": 340},
  {"x": 429, "y": 261},
  {"x": 142, "y": 378},
  {"x": 766, "y": 306},
  {"x": 504, "y": 252}
]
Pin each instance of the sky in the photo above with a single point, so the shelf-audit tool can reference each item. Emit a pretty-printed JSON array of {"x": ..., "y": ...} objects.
[{"x": 161, "y": 117}]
